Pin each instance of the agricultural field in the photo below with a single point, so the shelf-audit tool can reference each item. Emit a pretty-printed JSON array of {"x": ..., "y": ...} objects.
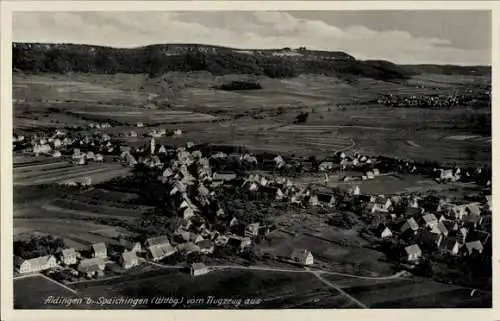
[
  {"x": 59, "y": 172},
  {"x": 293, "y": 290},
  {"x": 410, "y": 293},
  {"x": 31, "y": 292}
]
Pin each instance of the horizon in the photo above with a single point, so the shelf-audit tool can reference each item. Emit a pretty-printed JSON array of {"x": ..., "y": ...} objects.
[
  {"x": 236, "y": 48},
  {"x": 461, "y": 38}
]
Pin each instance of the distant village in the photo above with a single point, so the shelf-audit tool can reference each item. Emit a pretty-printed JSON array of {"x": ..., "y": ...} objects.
[{"x": 423, "y": 224}]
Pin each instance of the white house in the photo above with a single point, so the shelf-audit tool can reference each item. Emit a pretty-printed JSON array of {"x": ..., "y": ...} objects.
[
  {"x": 302, "y": 256},
  {"x": 36, "y": 264}
]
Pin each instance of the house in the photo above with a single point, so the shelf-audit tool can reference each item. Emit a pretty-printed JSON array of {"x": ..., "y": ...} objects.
[
  {"x": 279, "y": 195},
  {"x": 188, "y": 247},
  {"x": 370, "y": 175},
  {"x": 158, "y": 240},
  {"x": 302, "y": 256},
  {"x": 37, "y": 264},
  {"x": 161, "y": 251},
  {"x": 313, "y": 200},
  {"x": 99, "y": 250},
  {"x": 414, "y": 212},
  {"x": 428, "y": 240},
  {"x": 447, "y": 226},
  {"x": 252, "y": 229},
  {"x": 355, "y": 191},
  {"x": 409, "y": 225},
  {"x": 474, "y": 246},
  {"x": 91, "y": 267},
  {"x": 450, "y": 245},
  {"x": 376, "y": 172},
  {"x": 429, "y": 220},
  {"x": 188, "y": 213},
  {"x": 480, "y": 236},
  {"x": 69, "y": 256},
  {"x": 413, "y": 253},
  {"x": 326, "y": 200},
  {"x": 128, "y": 260},
  {"x": 198, "y": 269},
  {"x": 325, "y": 166},
  {"x": 221, "y": 240},
  {"x": 383, "y": 231},
  {"x": 472, "y": 220},
  {"x": 462, "y": 234},
  {"x": 380, "y": 204},
  {"x": 131, "y": 246},
  {"x": 206, "y": 247},
  {"x": 488, "y": 202},
  {"x": 196, "y": 238}
]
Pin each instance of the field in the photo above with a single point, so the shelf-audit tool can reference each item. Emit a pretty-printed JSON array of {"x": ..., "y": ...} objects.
[
  {"x": 412, "y": 292},
  {"x": 262, "y": 119},
  {"x": 32, "y": 291},
  {"x": 54, "y": 171},
  {"x": 274, "y": 289}
]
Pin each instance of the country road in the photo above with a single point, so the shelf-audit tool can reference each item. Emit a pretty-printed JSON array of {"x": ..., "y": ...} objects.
[{"x": 330, "y": 284}]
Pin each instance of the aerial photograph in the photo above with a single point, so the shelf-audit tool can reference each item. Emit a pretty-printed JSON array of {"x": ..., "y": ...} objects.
[{"x": 252, "y": 159}]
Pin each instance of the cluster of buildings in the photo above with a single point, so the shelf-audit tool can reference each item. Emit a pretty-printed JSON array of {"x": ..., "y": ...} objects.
[
  {"x": 438, "y": 226},
  {"x": 425, "y": 100}
]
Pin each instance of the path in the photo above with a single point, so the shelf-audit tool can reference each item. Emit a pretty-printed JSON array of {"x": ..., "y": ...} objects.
[
  {"x": 47, "y": 278},
  {"x": 330, "y": 284}
]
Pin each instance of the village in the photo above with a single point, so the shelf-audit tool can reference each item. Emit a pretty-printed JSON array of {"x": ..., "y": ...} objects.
[{"x": 194, "y": 177}]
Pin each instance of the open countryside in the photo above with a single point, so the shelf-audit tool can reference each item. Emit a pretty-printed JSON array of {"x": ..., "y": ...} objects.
[{"x": 279, "y": 183}]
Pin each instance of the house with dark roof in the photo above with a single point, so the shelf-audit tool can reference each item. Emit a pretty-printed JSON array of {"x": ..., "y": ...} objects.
[
  {"x": 472, "y": 220},
  {"x": 450, "y": 245},
  {"x": 326, "y": 200},
  {"x": 252, "y": 229},
  {"x": 428, "y": 240},
  {"x": 447, "y": 226},
  {"x": 414, "y": 212}
]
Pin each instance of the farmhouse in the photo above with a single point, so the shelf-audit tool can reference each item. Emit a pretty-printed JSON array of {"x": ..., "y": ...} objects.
[
  {"x": 413, "y": 252},
  {"x": 223, "y": 177},
  {"x": 35, "y": 264},
  {"x": 325, "y": 166},
  {"x": 188, "y": 248},
  {"x": 302, "y": 256},
  {"x": 128, "y": 260},
  {"x": 472, "y": 220},
  {"x": 69, "y": 256},
  {"x": 91, "y": 267},
  {"x": 198, "y": 269},
  {"x": 161, "y": 251},
  {"x": 99, "y": 250},
  {"x": 313, "y": 200}
]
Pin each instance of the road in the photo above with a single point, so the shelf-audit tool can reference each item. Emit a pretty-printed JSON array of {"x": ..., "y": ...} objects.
[{"x": 330, "y": 284}]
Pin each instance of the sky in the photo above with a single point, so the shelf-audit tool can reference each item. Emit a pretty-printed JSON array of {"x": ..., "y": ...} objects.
[{"x": 407, "y": 37}]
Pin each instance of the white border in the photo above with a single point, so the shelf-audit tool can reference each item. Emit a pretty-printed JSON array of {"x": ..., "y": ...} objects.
[{"x": 7, "y": 7}]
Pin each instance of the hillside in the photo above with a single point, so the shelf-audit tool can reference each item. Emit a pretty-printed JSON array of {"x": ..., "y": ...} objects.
[{"x": 157, "y": 59}]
